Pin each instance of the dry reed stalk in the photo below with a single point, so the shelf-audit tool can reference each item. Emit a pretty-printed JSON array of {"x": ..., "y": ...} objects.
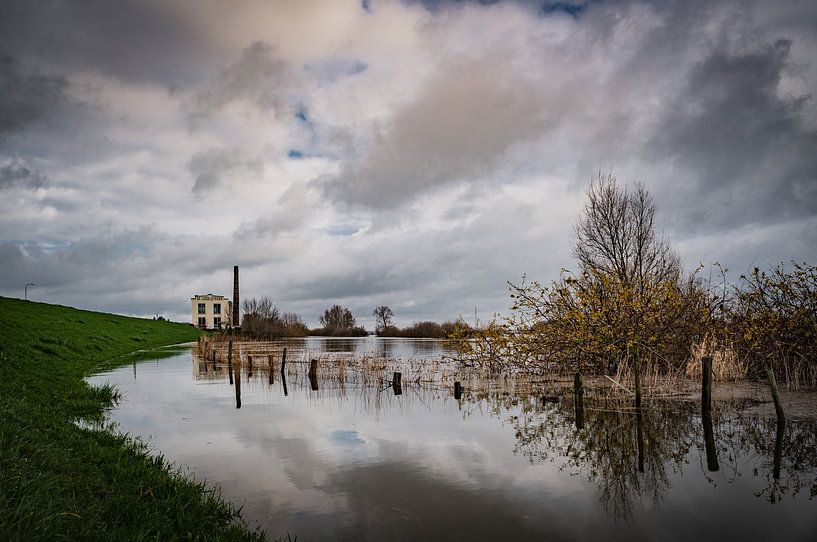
[{"x": 725, "y": 363}]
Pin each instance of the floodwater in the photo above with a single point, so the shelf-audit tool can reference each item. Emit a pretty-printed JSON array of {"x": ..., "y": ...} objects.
[
  {"x": 354, "y": 462},
  {"x": 390, "y": 347}
]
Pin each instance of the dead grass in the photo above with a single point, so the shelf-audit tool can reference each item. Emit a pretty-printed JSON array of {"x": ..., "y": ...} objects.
[{"x": 725, "y": 363}]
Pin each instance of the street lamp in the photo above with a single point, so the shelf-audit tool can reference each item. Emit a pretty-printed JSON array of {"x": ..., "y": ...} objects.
[{"x": 27, "y": 285}]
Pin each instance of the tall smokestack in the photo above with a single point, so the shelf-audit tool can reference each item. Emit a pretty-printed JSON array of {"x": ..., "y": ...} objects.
[{"x": 236, "y": 321}]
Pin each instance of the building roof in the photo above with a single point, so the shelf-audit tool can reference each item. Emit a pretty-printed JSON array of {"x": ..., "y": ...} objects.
[{"x": 211, "y": 297}]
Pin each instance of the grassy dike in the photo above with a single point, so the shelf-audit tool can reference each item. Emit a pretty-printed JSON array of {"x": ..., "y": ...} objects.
[{"x": 60, "y": 482}]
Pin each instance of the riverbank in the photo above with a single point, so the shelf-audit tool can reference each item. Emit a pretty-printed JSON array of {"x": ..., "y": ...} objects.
[{"x": 60, "y": 481}]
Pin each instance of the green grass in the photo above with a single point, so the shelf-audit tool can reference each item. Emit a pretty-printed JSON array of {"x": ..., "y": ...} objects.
[{"x": 61, "y": 482}]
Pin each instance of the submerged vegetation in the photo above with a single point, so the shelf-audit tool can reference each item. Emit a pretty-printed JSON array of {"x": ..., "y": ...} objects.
[
  {"x": 63, "y": 475},
  {"x": 630, "y": 303}
]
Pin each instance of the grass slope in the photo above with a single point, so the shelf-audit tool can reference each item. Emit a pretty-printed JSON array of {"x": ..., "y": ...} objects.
[{"x": 60, "y": 482}]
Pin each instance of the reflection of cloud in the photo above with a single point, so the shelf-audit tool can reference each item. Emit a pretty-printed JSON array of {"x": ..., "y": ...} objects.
[
  {"x": 346, "y": 437},
  {"x": 289, "y": 459}
]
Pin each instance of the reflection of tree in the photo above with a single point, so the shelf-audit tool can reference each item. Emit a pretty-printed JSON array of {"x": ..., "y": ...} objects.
[
  {"x": 384, "y": 349},
  {"x": 631, "y": 457},
  {"x": 786, "y": 454},
  {"x": 608, "y": 449},
  {"x": 340, "y": 345}
]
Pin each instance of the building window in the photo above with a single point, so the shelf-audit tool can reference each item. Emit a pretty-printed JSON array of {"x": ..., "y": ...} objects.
[
  {"x": 202, "y": 309},
  {"x": 202, "y": 322},
  {"x": 216, "y": 308},
  {"x": 217, "y": 322}
]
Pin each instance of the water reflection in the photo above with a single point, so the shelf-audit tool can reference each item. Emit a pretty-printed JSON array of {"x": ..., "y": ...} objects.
[
  {"x": 626, "y": 453},
  {"x": 630, "y": 455},
  {"x": 709, "y": 443},
  {"x": 334, "y": 459},
  {"x": 390, "y": 347}
]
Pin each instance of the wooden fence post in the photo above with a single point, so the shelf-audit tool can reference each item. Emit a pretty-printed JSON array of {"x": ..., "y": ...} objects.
[
  {"x": 637, "y": 375},
  {"x": 578, "y": 399},
  {"x": 397, "y": 384},
  {"x": 709, "y": 444},
  {"x": 778, "y": 406},
  {"x": 457, "y": 390},
  {"x": 706, "y": 414},
  {"x": 778, "y": 449},
  {"x": 230, "y": 361},
  {"x": 238, "y": 384},
  {"x": 706, "y": 385},
  {"x": 639, "y": 435}
]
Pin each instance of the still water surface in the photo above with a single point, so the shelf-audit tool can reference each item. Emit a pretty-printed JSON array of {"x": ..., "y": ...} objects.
[
  {"x": 350, "y": 462},
  {"x": 390, "y": 347}
]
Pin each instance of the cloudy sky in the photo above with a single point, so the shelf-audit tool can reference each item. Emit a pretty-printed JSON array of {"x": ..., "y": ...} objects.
[{"x": 417, "y": 154}]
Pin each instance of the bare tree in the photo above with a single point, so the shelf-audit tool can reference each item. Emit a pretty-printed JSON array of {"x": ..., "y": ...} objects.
[
  {"x": 262, "y": 319},
  {"x": 383, "y": 314},
  {"x": 262, "y": 308},
  {"x": 628, "y": 296},
  {"x": 337, "y": 317},
  {"x": 617, "y": 237}
]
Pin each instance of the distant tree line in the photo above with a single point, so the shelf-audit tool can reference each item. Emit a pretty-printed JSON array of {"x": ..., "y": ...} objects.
[
  {"x": 418, "y": 330},
  {"x": 263, "y": 320},
  {"x": 421, "y": 330}
]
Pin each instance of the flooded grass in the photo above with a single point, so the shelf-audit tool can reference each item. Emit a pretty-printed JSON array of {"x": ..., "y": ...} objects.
[
  {"x": 62, "y": 481},
  {"x": 441, "y": 369}
]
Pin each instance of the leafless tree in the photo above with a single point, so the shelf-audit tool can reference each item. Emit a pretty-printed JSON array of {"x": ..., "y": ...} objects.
[
  {"x": 262, "y": 319},
  {"x": 383, "y": 314},
  {"x": 617, "y": 236}
]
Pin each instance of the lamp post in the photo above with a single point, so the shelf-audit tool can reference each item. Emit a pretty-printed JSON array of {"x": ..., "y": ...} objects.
[{"x": 27, "y": 285}]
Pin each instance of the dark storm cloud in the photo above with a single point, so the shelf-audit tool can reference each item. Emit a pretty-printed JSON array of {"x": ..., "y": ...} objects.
[
  {"x": 545, "y": 7},
  {"x": 741, "y": 140},
  {"x": 62, "y": 264},
  {"x": 211, "y": 168},
  {"x": 15, "y": 174},
  {"x": 26, "y": 94},
  {"x": 140, "y": 271},
  {"x": 135, "y": 40},
  {"x": 257, "y": 77},
  {"x": 457, "y": 129}
]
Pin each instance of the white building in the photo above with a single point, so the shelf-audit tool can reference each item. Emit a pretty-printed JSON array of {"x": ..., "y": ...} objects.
[{"x": 211, "y": 311}]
